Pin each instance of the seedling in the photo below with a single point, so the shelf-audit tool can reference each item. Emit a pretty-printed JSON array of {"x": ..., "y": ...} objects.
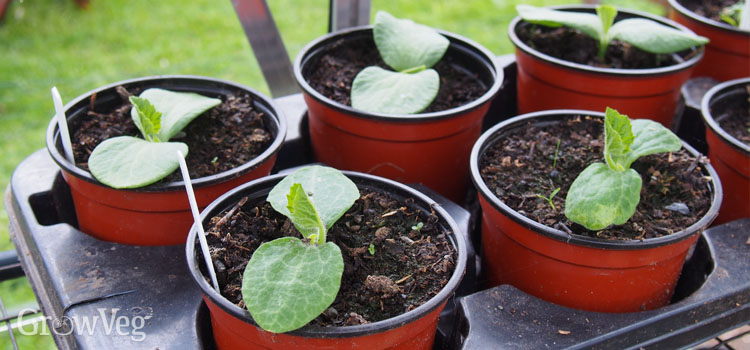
[
  {"x": 642, "y": 33},
  {"x": 289, "y": 281},
  {"x": 737, "y": 15},
  {"x": 410, "y": 49},
  {"x": 131, "y": 162},
  {"x": 557, "y": 149},
  {"x": 371, "y": 249},
  {"x": 607, "y": 194},
  {"x": 418, "y": 226},
  {"x": 549, "y": 199}
]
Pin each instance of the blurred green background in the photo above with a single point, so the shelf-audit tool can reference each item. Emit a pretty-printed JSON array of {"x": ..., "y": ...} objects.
[{"x": 45, "y": 43}]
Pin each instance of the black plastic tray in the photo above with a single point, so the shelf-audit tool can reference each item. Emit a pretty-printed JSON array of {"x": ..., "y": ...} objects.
[{"x": 75, "y": 275}]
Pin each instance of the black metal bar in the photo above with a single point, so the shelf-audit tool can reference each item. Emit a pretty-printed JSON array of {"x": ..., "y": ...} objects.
[
  {"x": 10, "y": 267},
  {"x": 268, "y": 47}
]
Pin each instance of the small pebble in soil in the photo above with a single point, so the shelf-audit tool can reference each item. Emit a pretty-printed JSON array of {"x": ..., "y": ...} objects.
[{"x": 679, "y": 207}]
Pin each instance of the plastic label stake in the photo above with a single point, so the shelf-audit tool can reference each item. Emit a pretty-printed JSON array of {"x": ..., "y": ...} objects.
[
  {"x": 197, "y": 218},
  {"x": 62, "y": 124}
]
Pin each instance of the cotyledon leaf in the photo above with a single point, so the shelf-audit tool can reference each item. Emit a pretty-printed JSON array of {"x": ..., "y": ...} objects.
[
  {"x": 600, "y": 197},
  {"x": 382, "y": 91},
  {"x": 178, "y": 109},
  {"x": 330, "y": 191},
  {"x": 404, "y": 44},
  {"x": 287, "y": 283},
  {"x": 131, "y": 162}
]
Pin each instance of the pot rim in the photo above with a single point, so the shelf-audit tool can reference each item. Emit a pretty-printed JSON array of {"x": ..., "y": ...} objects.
[
  {"x": 334, "y": 332},
  {"x": 707, "y": 21},
  {"x": 455, "y": 40},
  {"x": 275, "y": 115},
  {"x": 489, "y": 137},
  {"x": 520, "y": 45},
  {"x": 712, "y": 123}
]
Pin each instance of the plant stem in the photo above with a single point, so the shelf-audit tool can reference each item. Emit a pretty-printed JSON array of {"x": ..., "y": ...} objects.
[
  {"x": 557, "y": 148},
  {"x": 603, "y": 45}
]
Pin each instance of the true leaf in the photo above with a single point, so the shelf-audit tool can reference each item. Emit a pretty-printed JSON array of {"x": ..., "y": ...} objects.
[
  {"x": 287, "y": 283},
  {"x": 606, "y": 14},
  {"x": 328, "y": 189},
  {"x": 146, "y": 118},
  {"x": 618, "y": 137},
  {"x": 130, "y": 162},
  {"x": 404, "y": 44},
  {"x": 600, "y": 197},
  {"x": 651, "y": 138},
  {"x": 178, "y": 109},
  {"x": 378, "y": 90},
  {"x": 653, "y": 37},
  {"x": 303, "y": 214}
]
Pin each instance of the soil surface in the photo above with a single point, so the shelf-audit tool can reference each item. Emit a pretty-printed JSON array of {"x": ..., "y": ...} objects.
[
  {"x": 406, "y": 268},
  {"x": 574, "y": 46},
  {"x": 333, "y": 75},
  {"x": 222, "y": 138},
  {"x": 708, "y": 8},
  {"x": 733, "y": 115},
  {"x": 521, "y": 165}
]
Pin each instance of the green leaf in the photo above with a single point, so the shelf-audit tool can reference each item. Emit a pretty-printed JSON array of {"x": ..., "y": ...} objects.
[
  {"x": 651, "y": 138},
  {"x": 131, "y": 162},
  {"x": 607, "y": 14},
  {"x": 146, "y": 118},
  {"x": 178, "y": 109},
  {"x": 600, "y": 197},
  {"x": 287, "y": 283},
  {"x": 618, "y": 137},
  {"x": 653, "y": 37},
  {"x": 331, "y": 193},
  {"x": 587, "y": 23},
  {"x": 304, "y": 216},
  {"x": 404, "y": 44},
  {"x": 381, "y": 91}
]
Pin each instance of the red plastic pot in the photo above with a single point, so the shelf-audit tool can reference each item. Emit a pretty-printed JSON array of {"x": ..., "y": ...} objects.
[
  {"x": 234, "y": 328},
  {"x": 729, "y": 156},
  {"x": 155, "y": 215},
  {"x": 545, "y": 82},
  {"x": 428, "y": 148},
  {"x": 727, "y": 55},
  {"x": 572, "y": 270}
]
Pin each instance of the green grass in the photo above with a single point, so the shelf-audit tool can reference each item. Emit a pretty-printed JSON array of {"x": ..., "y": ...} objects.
[{"x": 45, "y": 43}]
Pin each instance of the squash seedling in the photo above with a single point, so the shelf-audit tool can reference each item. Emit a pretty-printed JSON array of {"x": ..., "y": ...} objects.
[
  {"x": 604, "y": 194},
  {"x": 131, "y": 162},
  {"x": 737, "y": 15},
  {"x": 289, "y": 281},
  {"x": 642, "y": 33},
  {"x": 410, "y": 49}
]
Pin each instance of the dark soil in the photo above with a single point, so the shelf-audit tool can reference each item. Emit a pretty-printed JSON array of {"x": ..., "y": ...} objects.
[
  {"x": 408, "y": 266},
  {"x": 222, "y": 138},
  {"x": 573, "y": 46},
  {"x": 521, "y": 165},
  {"x": 710, "y": 9},
  {"x": 333, "y": 74},
  {"x": 733, "y": 115}
]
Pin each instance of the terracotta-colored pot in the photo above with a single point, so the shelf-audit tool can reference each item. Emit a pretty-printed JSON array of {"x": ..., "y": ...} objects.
[
  {"x": 545, "y": 82},
  {"x": 234, "y": 328},
  {"x": 572, "y": 270},
  {"x": 155, "y": 215},
  {"x": 727, "y": 55},
  {"x": 729, "y": 156},
  {"x": 428, "y": 148}
]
